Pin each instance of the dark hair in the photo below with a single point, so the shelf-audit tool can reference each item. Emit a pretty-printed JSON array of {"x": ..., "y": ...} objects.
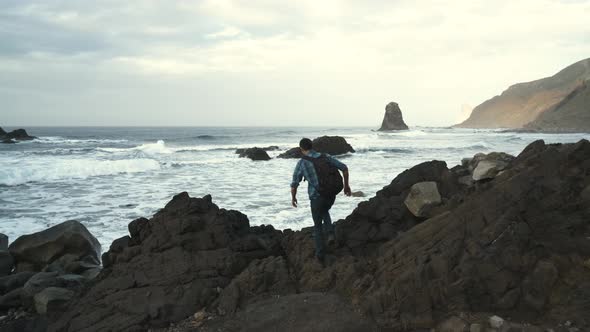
[{"x": 305, "y": 144}]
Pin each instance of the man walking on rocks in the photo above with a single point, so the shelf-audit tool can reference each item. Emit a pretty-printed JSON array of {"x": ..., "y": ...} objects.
[{"x": 323, "y": 184}]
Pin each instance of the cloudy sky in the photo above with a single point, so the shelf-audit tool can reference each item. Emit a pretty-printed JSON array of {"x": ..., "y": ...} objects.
[{"x": 273, "y": 62}]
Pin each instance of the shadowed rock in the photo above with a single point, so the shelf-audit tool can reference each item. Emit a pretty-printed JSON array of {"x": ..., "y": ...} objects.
[
  {"x": 42, "y": 248},
  {"x": 333, "y": 145},
  {"x": 255, "y": 154}
]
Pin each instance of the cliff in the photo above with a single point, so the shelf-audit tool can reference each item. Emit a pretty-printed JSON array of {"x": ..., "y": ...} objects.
[{"x": 524, "y": 103}]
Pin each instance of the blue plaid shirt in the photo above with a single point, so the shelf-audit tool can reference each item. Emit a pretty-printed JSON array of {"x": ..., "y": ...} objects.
[{"x": 305, "y": 169}]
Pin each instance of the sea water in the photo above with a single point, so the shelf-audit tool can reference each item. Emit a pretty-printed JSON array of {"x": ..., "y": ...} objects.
[{"x": 106, "y": 177}]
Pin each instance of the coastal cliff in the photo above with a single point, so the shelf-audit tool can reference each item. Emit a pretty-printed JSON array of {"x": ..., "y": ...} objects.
[
  {"x": 437, "y": 248},
  {"x": 536, "y": 103}
]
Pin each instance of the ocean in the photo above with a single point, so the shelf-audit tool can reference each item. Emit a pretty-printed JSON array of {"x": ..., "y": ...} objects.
[{"x": 105, "y": 177}]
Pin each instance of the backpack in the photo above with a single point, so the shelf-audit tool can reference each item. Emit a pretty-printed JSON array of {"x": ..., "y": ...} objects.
[{"x": 329, "y": 178}]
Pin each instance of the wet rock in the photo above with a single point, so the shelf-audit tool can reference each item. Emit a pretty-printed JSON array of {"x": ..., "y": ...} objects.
[
  {"x": 423, "y": 196},
  {"x": 12, "y": 299},
  {"x": 358, "y": 194},
  {"x": 268, "y": 148},
  {"x": 393, "y": 119},
  {"x": 333, "y": 145},
  {"x": 42, "y": 248},
  {"x": 18, "y": 134},
  {"x": 51, "y": 298},
  {"x": 6, "y": 263},
  {"x": 255, "y": 154}
]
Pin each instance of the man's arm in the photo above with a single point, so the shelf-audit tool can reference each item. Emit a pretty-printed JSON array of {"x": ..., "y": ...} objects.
[
  {"x": 297, "y": 177},
  {"x": 347, "y": 190}
]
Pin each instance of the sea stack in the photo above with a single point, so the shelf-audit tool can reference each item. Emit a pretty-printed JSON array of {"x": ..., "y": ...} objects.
[{"x": 393, "y": 119}]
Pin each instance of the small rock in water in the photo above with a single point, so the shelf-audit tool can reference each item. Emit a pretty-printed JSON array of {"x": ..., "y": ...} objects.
[{"x": 358, "y": 194}]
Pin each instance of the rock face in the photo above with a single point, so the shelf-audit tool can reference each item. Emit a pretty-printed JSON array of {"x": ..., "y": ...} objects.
[
  {"x": 548, "y": 100},
  {"x": 422, "y": 198},
  {"x": 571, "y": 114},
  {"x": 18, "y": 134},
  {"x": 333, "y": 145},
  {"x": 255, "y": 154},
  {"x": 393, "y": 119},
  {"x": 171, "y": 266},
  {"x": 40, "y": 249}
]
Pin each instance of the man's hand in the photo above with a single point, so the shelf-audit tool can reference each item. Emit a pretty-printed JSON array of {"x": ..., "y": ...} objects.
[
  {"x": 294, "y": 196},
  {"x": 347, "y": 191}
]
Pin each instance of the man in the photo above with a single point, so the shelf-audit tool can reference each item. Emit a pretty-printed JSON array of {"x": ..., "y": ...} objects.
[{"x": 321, "y": 197}]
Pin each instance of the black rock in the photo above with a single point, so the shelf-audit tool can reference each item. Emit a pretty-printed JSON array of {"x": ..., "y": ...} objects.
[
  {"x": 333, "y": 145},
  {"x": 19, "y": 134},
  {"x": 255, "y": 154},
  {"x": 393, "y": 119}
]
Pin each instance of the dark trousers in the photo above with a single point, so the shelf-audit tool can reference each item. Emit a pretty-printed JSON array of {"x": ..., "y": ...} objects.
[{"x": 322, "y": 222}]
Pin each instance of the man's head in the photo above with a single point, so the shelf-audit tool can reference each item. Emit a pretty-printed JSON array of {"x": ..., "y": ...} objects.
[{"x": 305, "y": 145}]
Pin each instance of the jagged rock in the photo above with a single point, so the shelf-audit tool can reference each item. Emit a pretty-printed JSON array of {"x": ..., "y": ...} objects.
[
  {"x": 255, "y": 154},
  {"x": 2, "y": 132},
  {"x": 18, "y": 134},
  {"x": 51, "y": 298},
  {"x": 14, "y": 281},
  {"x": 42, "y": 248},
  {"x": 423, "y": 196},
  {"x": 6, "y": 263},
  {"x": 3, "y": 240},
  {"x": 177, "y": 262},
  {"x": 268, "y": 148},
  {"x": 393, "y": 119},
  {"x": 333, "y": 145}
]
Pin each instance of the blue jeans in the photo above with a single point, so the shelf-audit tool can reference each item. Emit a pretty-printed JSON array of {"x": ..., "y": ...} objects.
[{"x": 322, "y": 222}]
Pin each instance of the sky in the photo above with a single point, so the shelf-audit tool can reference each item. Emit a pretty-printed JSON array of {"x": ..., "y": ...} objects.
[{"x": 274, "y": 62}]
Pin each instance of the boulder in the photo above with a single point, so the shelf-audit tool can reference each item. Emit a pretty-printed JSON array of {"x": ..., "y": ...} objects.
[
  {"x": 487, "y": 166},
  {"x": 51, "y": 298},
  {"x": 3, "y": 242},
  {"x": 12, "y": 299},
  {"x": 393, "y": 119},
  {"x": 255, "y": 154},
  {"x": 42, "y": 248},
  {"x": 423, "y": 196},
  {"x": 333, "y": 145},
  {"x": 6, "y": 263}
]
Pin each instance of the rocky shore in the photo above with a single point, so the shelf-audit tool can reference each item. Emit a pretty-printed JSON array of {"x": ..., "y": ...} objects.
[{"x": 498, "y": 243}]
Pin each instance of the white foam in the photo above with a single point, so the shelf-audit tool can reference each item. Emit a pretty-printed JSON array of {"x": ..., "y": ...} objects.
[{"x": 46, "y": 170}]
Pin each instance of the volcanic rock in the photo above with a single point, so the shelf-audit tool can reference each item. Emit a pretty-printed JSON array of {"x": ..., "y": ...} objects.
[
  {"x": 42, "y": 248},
  {"x": 18, "y": 134},
  {"x": 255, "y": 154},
  {"x": 422, "y": 198},
  {"x": 333, "y": 145},
  {"x": 173, "y": 267},
  {"x": 393, "y": 119}
]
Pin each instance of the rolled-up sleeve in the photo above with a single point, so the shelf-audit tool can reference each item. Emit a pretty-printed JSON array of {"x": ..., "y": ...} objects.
[
  {"x": 338, "y": 164},
  {"x": 297, "y": 175}
]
